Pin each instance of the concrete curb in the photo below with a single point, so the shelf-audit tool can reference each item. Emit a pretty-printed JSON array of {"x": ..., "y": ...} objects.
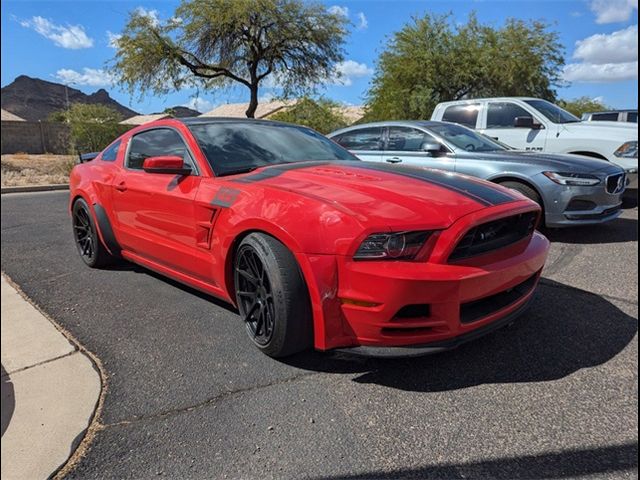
[
  {"x": 34, "y": 188},
  {"x": 52, "y": 392}
]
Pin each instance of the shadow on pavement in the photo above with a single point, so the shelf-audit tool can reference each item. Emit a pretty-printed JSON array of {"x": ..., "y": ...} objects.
[
  {"x": 8, "y": 400},
  {"x": 565, "y": 330},
  {"x": 567, "y": 464},
  {"x": 618, "y": 231}
]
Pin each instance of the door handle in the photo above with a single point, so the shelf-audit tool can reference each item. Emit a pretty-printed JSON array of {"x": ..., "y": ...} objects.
[
  {"x": 394, "y": 160},
  {"x": 121, "y": 187}
]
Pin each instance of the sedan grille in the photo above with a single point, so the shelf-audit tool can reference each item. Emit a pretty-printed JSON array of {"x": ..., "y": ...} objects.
[
  {"x": 616, "y": 183},
  {"x": 495, "y": 235}
]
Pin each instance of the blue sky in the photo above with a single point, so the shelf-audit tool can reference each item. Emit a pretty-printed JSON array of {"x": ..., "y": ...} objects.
[{"x": 69, "y": 42}]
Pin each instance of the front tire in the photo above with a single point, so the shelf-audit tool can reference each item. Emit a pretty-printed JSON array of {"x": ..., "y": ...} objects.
[
  {"x": 85, "y": 234},
  {"x": 528, "y": 192},
  {"x": 272, "y": 296}
]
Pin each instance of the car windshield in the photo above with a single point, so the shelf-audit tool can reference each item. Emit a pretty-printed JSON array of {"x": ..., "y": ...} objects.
[
  {"x": 552, "y": 112},
  {"x": 465, "y": 138},
  {"x": 239, "y": 147}
]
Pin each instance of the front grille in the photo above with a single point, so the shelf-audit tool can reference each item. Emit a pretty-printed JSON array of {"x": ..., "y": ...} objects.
[
  {"x": 616, "y": 183},
  {"x": 478, "y": 309},
  {"x": 494, "y": 235}
]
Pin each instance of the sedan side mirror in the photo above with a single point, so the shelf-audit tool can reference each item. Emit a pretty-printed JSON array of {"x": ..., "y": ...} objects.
[
  {"x": 431, "y": 147},
  {"x": 166, "y": 164},
  {"x": 526, "y": 122}
]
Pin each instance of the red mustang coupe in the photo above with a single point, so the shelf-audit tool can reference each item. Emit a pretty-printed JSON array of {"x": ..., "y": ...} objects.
[{"x": 313, "y": 246}]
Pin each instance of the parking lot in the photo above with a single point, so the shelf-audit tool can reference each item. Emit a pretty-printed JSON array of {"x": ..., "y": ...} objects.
[{"x": 188, "y": 396}]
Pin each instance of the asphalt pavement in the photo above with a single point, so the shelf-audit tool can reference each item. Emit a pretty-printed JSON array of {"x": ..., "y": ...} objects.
[{"x": 188, "y": 396}]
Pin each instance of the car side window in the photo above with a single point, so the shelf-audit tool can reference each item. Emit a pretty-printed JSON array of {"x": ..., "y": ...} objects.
[
  {"x": 503, "y": 114},
  {"x": 362, "y": 139},
  {"x": 632, "y": 117},
  {"x": 610, "y": 116},
  {"x": 111, "y": 153},
  {"x": 466, "y": 115},
  {"x": 406, "y": 139},
  {"x": 155, "y": 143}
]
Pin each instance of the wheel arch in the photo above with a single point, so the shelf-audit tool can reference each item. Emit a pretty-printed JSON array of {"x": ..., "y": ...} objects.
[
  {"x": 514, "y": 178},
  {"x": 103, "y": 224},
  {"x": 310, "y": 276}
]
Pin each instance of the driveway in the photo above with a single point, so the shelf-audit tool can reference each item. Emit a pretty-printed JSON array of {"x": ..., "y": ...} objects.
[{"x": 189, "y": 396}]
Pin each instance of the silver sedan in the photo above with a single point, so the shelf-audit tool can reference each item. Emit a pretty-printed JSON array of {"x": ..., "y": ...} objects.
[{"x": 572, "y": 189}]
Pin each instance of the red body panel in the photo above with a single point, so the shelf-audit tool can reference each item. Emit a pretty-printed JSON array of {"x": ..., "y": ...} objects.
[{"x": 187, "y": 228}]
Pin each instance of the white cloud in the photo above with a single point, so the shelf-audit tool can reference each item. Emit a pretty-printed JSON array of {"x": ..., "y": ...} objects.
[
  {"x": 612, "y": 11},
  {"x": 70, "y": 36},
  {"x": 199, "y": 104},
  {"x": 93, "y": 77},
  {"x": 337, "y": 10},
  {"x": 601, "y": 73},
  {"x": 112, "y": 39},
  {"x": 152, "y": 15},
  {"x": 617, "y": 47},
  {"x": 362, "y": 21},
  {"x": 349, "y": 70}
]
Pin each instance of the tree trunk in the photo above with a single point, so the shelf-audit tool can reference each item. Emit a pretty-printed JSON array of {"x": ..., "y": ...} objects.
[{"x": 253, "y": 103}]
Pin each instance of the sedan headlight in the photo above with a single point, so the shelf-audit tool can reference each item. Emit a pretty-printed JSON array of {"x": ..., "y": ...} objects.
[
  {"x": 627, "y": 150},
  {"x": 573, "y": 179},
  {"x": 392, "y": 246}
]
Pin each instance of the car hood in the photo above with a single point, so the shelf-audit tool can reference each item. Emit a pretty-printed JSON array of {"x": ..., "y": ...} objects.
[
  {"x": 384, "y": 195},
  {"x": 546, "y": 161},
  {"x": 621, "y": 131}
]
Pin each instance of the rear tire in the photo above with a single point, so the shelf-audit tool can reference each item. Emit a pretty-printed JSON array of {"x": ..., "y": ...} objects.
[
  {"x": 272, "y": 296},
  {"x": 85, "y": 234}
]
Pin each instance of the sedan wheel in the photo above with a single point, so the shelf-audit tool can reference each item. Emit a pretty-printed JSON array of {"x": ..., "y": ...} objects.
[{"x": 91, "y": 250}]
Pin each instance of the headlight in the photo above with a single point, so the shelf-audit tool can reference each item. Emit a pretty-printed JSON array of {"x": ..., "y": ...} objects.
[
  {"x": 627, "y": 150},
  {"x": 573, "y": 179},
  {"x": 392, "y": 246}
]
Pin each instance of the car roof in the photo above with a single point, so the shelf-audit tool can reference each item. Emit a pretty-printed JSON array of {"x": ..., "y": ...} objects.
[
  {"x": 208, "y": 120},
  {"x": 392, "y": 123},
  {"x": 486, "y": 99}
]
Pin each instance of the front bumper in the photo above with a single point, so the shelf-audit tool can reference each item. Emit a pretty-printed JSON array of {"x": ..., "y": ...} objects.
[
  {"x": 568, "y": 206},
  {"x": 434, "y": 306}
]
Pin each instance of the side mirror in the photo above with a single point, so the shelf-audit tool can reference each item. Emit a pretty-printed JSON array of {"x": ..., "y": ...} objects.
[
  {"x": 166, "y": 164},
  {"x": 526, "y": 122},
  {"x": 431, "y": 147}
]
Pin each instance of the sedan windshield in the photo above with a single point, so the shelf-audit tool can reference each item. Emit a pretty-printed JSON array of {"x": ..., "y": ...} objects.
[
  {"x": 553, "y": 112},
  {"x": 465, "y": 138},
  {"x": 239, "y": 147}
]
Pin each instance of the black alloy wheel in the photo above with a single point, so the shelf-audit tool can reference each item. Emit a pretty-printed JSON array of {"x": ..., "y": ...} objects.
[
  {"x": 272, "y": 296},
  {"x": 255, "y": 295},
  {"x": 90, "y": 248}
]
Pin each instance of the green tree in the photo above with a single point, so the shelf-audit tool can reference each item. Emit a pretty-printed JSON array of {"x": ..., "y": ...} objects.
[
  {"x": 581, "y": 105},
  {"x": 92, "y": 126},
  {"x": 218, "y": 43},
  {"x": 430, "y": 61},
  {"x": 322, "y": 114}
]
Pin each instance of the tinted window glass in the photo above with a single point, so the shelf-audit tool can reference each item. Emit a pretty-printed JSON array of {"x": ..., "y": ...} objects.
[
  {"x": 157, "y": 143},
  {"x": 612, "y": 117},
  {"x": 552, "y": 112},
  {"x": 465, "y": 138},
  {"x": 111, "y": 153},
  {"x": 408, "y": 139},
  {"x": 503, "y": 114},
  {"x": 463, "y": 114},
  {"x": 632, "y": 117},
  {"x": 363, "y": 139},
  {"x": 235, "y": 147}
]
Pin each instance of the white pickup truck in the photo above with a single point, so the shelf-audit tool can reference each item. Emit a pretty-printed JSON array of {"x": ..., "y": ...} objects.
[{"x": 539, "y": 125}]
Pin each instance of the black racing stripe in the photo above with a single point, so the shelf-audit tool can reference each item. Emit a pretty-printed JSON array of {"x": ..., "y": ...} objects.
[
  {"x": 276, "y": 171},
  {"x": 476, "y": 190}
]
